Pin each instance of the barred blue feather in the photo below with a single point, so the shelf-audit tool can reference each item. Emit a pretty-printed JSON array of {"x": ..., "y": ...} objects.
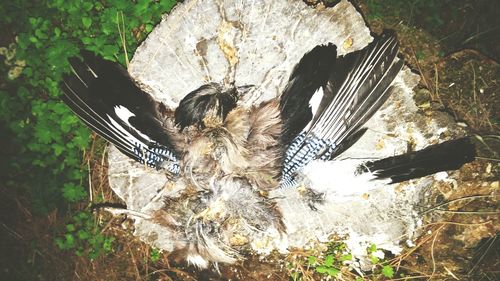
[
  {"x": 104, "y": 96},
  {"x": 350, "y": 90}
]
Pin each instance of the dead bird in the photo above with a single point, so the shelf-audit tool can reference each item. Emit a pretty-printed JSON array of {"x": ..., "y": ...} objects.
[{"x": 225, "y": 156}]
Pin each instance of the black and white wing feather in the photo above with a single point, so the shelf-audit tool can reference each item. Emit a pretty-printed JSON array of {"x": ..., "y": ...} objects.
[
  {"x": 106, "y": 98},
  {"x": 334, "y": 110}
]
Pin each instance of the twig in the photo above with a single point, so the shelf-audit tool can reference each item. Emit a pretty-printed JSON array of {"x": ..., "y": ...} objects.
[
  {"x": 107, "y": 225},
  {"x": 432, "y": 251},
  {"x": 138, "y": 275},
  {"x": 91, "y": 197},
  {"x": 120, "y": 211},
  {"x": 161, "y": 271},
  {"x": 436, "y": 208},
  {"x": 101, "y": 180},
  {"x": 451, "y": 273},
  {"x": 411, "y": 277},
  {"x": 12, "y": 232},
  {"x": 468, "y": 212},
  {"x": 420, "y": 69},
  {"x": 121, "y": 32},
  {"x": 487, "y": 158},
  {"x": 474, "y": 94},
  {"x": 481, "y": 139},
  {"x": 436, "y": 74},
  {"x": 458, "y": 223}
]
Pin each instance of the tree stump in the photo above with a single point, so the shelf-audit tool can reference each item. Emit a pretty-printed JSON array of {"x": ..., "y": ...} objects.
[{"x": 258, "y": 43}]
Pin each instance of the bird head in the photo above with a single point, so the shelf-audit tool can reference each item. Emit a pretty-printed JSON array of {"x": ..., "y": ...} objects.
[{"x": 207, "y": 106}]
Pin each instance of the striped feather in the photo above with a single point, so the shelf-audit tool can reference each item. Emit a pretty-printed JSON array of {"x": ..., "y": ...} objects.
[
  {"x": 357, "y": 86},
  {"x": 103, "y": 95}
]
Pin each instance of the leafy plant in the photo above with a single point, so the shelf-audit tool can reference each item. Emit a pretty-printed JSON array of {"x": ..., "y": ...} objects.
[
  {"x": 47, "y": 138},
  {"x": 46, "y": 142},
  {"x": 336, "y": 256},
  {"x": 336, "y": 259},
  {"x": 84, "y": 237},
  {"x": 154, "y": 255},
  {"x": 380, "y": 267}
]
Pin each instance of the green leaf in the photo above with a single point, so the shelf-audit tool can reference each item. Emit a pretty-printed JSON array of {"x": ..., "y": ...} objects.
[
  {"x": 154, "y": 255},
  {"x": 59, "y": 243},
  {"x": 327, "y": 270},
  {"x": 43, "y": 133},
  {"x": 33, "y": 21},
  {"x": 73, "y": 193},
  {"x": 83, "y": 235},
  {"x": 86, "y": 22},
  {"x": 332, "y": 271},
  {"x": 373, "y": 248},
  {"x": 109, "y": 50},
  {"x": 69, "y": 242},
  {"x": 141, "y": 7},
  {"x": 108, "y": 244},
  {"x": 67, "y": 123},
  {"x": 321, "y": 269},
  {"x": 57, "y": 31},
  {"x": 58, "y": 149},
  {"x": 59, "y": 108},
  {"x": 346, "y": 257},
  {"x": 87, "y": 6},
  {"x": 70, "y": 227},
  {"x": 166, "y": 5},
  {"x": 311, "y": 260},
  {"x": 388, "y": 271},
  {"x": 329, "y": 260},
  {"x": 40, "y": 34},
  {"x": 86, "y": 40},
  {"x": 83, "y": 215}
]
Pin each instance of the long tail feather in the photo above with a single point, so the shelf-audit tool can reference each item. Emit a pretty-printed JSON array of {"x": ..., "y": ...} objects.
[{"x": 449, "y": 155}]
